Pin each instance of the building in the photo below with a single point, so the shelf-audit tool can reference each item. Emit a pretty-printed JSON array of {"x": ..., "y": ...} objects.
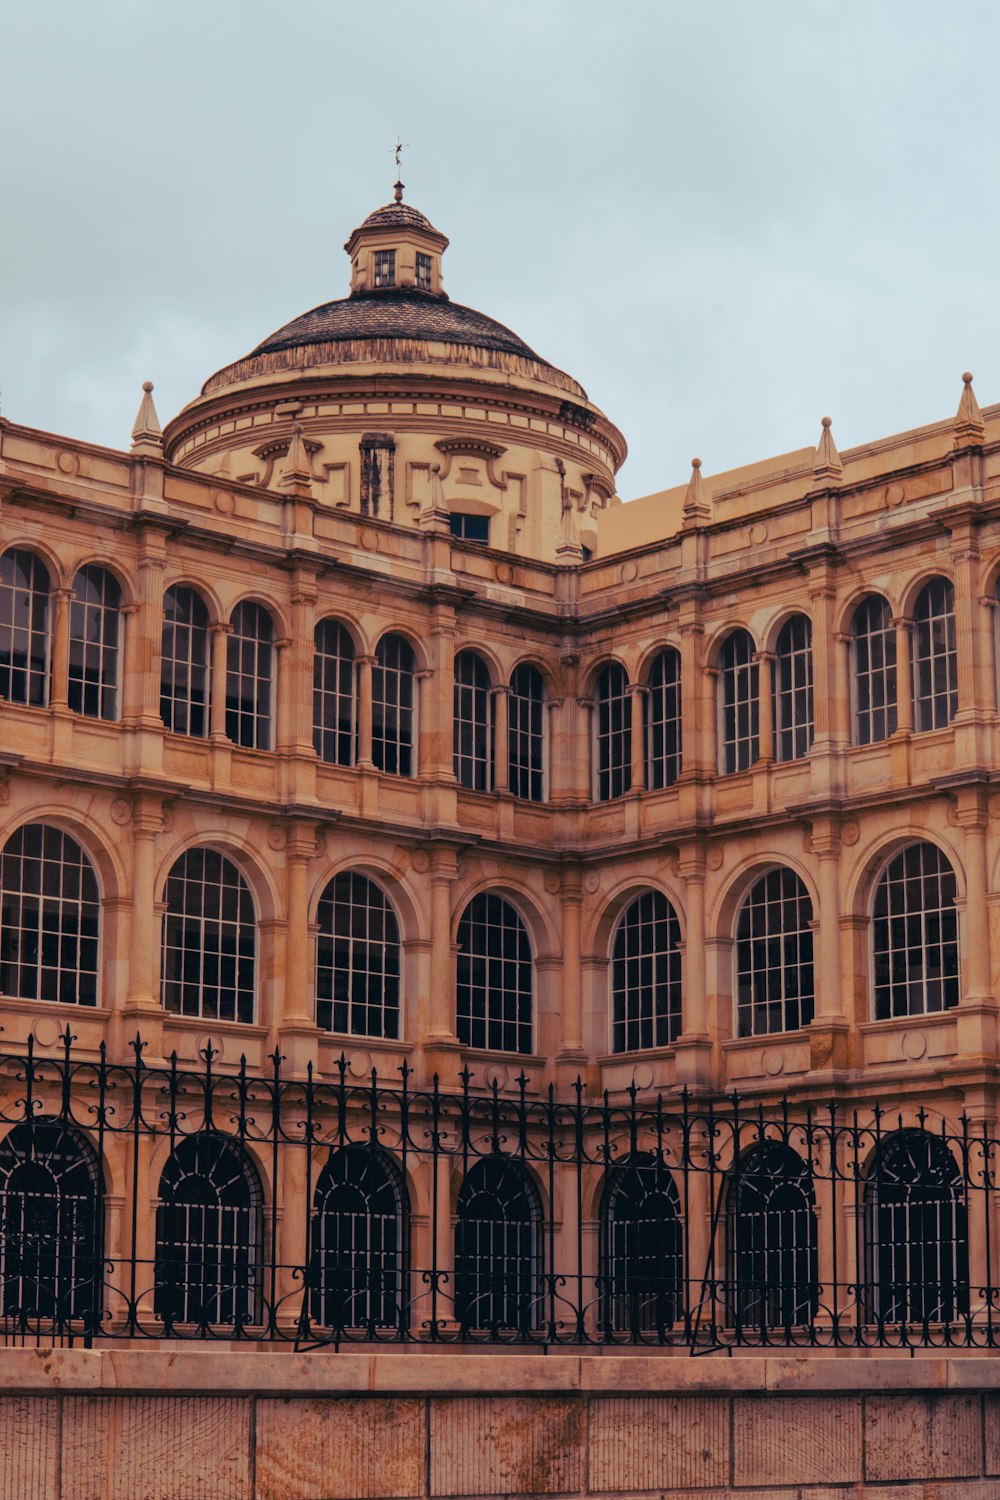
[{"x": 351, "y": 721}]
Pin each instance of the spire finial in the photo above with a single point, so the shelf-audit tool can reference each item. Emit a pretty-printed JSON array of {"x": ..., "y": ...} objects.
[
  {"x": 827, "y": 465},
  {"x": 297, "y": 477},
  {"x": 969, "y": 426},
  {"x": 697, "y": 510},
  {"x": 398, "y": 149},
  {"x": 147, "y": 435}
]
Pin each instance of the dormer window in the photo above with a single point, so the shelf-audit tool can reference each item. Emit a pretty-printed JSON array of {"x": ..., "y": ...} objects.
[
  {"x": 385, "y": 268},
  {"x": 423, "y": 272}
]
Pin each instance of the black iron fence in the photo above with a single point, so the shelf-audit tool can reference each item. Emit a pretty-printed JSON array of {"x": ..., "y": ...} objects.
[{"x": 176, "y": 1202}]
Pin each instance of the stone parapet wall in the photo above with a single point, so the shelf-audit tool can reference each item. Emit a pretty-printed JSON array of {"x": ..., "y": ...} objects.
[{"x": 161, "y": 1424}]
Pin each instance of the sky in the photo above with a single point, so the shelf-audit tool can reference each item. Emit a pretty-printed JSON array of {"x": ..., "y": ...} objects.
[{"x": 725, "y": 218}]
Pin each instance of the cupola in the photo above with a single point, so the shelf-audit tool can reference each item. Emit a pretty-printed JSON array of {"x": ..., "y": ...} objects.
[{"x": 397, "y": 247}]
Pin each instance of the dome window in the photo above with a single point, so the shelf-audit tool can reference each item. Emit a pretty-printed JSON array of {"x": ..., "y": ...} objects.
[
  {"x": 385, "y": 268},
  {"x": 470, "y": 528},
  {"x": 423, "y": 272}
]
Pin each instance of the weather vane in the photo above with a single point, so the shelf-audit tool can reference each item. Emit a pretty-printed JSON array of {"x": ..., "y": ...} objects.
[{"x": 399, "y": 147}]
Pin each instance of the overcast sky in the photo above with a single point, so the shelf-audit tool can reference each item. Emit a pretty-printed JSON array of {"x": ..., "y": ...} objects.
[{"x": 725, "y": 219}]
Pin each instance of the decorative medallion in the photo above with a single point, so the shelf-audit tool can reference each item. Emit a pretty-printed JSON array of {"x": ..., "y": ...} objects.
[
  {"x": 359, "y": 1063},
  {"x": 121, "y": 811},
  {"x": 496, "y": 1073},
  {"x": 224, "y": 502},
  {"x": 629, "y": 572},
  {"x": 421, "y": 861},
  {"x": 850, "y": 833},
  {"x": 642, "y": 1076},
  {"x": 551, "y": 881},
  {"x": 914, "y": 1045},
  {"x": 68, "y": 463},
  {"x": 715, "y": 858},
  {"x": 504, "y": 573},
  {"x": 772, "y": 1061},
  {"x": 592, "y": 881},
  {"x": 758, "y": 533},
  {"x": 894, "y": 494},
  {"x": 277, "y": 838},
  {"x": 46, "y": 1031},
  {"x": 369, "y": 539}
]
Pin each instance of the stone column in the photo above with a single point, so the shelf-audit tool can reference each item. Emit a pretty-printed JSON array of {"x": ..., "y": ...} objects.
[
  {"x": 976, "y": 1016},
  {"x": 299, "y": 678},
  {"x": 59, "y": 686},
  {"x": 587, "y": 762},
  {"x": 220, "y": 634},
  {"x": 765, "y": 711},
  {"x": 904, "y": 675},
  {"x": 693, "y": 720},
  {"x": 711, "y": 716},
  {"x": 829, "y": 1001},
  {"x": 130, "y": 681},
  {"x": 965, "y": 558},
  {"x": 842, "y": 724},
  {"x": 297, "y": 1008},
  {"x": 366, "y": 665},
  {"x": 637, "y": 693},
  {"x": 283, "y": 697},
  {"x": 989, "y": 666},
  {"x": 149, "y": 651},
  {"x": 501, "y": 745},
  {"x": 443, "y": 871},
  {"x": 552, "y": 730},
  {"x": 144, "y": 936},
  {"x": 824, "y": 673},
  {"x": 693, "y": 1049},
  {"x": 428, "y": 735},
  {"x": 571, "y": 903}
]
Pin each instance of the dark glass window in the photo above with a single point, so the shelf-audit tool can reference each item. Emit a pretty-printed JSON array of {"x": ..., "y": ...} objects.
[
  {"x": 184, "y": 663},
  {"x": 613, "y": 707},
  {"x": 740, "y": 679},
  {"x": 333, "y": 694},
  {"x": 641, "y": 1249},
  {"x": 24, "y": 628},
  {"x": 917, "y": 1232},
  {"x": 526, "y": 733},
  {"x": 357, "y": 959},
  {"x": 470, "y": 528},
  {"x": 498, "y": 1248},
  {"x": 49, "y": 917},
  {"x": 772, "y": 1262},
  {"x": 472, "y": 723},
  {"x": 494, "y": 977},
  {"x": 646, "y": 975},
  {"x": 393, "y": 684},
  {"x": 663, "y": 721},
  {"x": 209, "y": 939},
  {"x": 358, "y": 1242},
  {"x": 385, "y": 268},
  {"x": 793, "y": 689},
  {"x": 935, "y": 656},
  {"x": 249, "y": 653},
  {"x": 774, "y": 956},
  {"x": 94, "y": 624},
  {"x": 874, "y": 644},
  {"x": 423, "y": 272},
  {"x": 915, "y": 934}
]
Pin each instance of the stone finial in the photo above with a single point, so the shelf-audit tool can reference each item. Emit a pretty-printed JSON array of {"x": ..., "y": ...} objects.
[
  {"x": 697, "y": 507},
  {"x": 147, "y": 434},
  {"x": 969, "y": 426},
  {"x": 297, "y": 476},
  {"x": 827, "y": 465}
]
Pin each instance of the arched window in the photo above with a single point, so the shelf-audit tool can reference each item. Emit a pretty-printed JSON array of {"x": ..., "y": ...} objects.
[
  {"x": 24, "y": 628},
  {"x": 333, "y": 694},
  {"x": 935, "y": 656},
  {"x": 772, "y": 1263},
  {"x": 51, "y": 1219},
  {"x": 774, "y": 956},
  {"x": 873, "y": 640},
  {"x": 249, "y": 691},
  {"x": 739, "y": 676},
  {"x": 472, "y": 723},
  {"x": 94, "y": 624},
  {"x": 358, "y": 1242},
  {"x": 357, "y": 959},
  {"x": 646, "y": 975},
  {"x": 915, "y": 934},
  {"x": 494, "y": 989},
  {"x": 184, "y": 663},
  {"x": 663, "y": 721},
  {"x": 526, "y": 733},
  {"x": 209, "y": 1235},
  {"x": 641, "y": 1248},
  {"x": 613, "y": 709},
  {"x": 793, "y": 689},
  {"x": 917, "y": 1231},
  {"x": 498, "y": 1248},
  {"x": 393, "y": 677},
  {"x": 49, "y": 917},
  {"x": 209, "y": 939}
]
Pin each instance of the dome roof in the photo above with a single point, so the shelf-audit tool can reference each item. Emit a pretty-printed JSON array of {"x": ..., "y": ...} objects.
[{"x": 397, "y": 216}]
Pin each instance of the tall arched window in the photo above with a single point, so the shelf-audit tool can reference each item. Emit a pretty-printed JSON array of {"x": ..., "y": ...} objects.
[
  {"x": 51, "y": 1220},
  {"x": 793, "y": 689},
  {"x": 357, "y": 959},
  {"x": 49, "y": 917},
  {"x": 498, "y": 1248},
  {"x": 739, "y": 698},
  {"x": 94, "y": 626},
  {"x": 393, "y": 683},
  {"x": 249, "y": 669},
  {"x": 333, "y": 694},
  {"x": 24, "y": 628},
  {"x": 935, "y": 656},
  {"x": 774, "y": 956},
  {"x": 526, "y": 733},
  {"x": 917, "y": 1232},
  {"x": 663, "y": 721},
  {"x": 646, "y": 975},
  {"x": 915, "y": 934},
  {"x": 641, "y": 1275},
  {"x": 209, "y": 939},
  {"x": 494, "y": 989},
  {"x": 209, "y": 1235},
  {"x": 358, "y": 1242},
  {"x": 184, "y": 663},
  {"x": 873, "y": 641},
  {"x": 472, "y": 724},
  {"x": 613, "y": 732},
  {"x": 772, "y": 1263}
]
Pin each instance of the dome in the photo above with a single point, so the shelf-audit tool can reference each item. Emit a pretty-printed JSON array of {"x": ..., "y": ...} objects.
[{"x": 397, "y": 216}]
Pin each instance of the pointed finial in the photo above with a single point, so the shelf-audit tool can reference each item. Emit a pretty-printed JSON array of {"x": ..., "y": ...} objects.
[
  {"x": 297, "y": 476},
  {"x": 969, "y": 426},
  {"x": 697, "y": 509},
  {"x": 147, "y": 435},
  {"x": 827, "y": 465},
  {"x": 398, "y": 149}
]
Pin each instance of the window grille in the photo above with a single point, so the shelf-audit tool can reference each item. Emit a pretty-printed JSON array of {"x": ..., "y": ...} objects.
[
  {"x": 357, "y": 959},
  {"x": 494, "y": 977},
  {"x": 469, "y": 528},
  {"x": 740, "y": 679},
  {"x": 613, "y": 733},
  {"x": 358, "y": 1242},
  {"x": 473, "y": 723},
  {"x": 423, "y": 272},
  {"x": 249, "y": 652},
  {"x": 663, "y": 721},
  {"x": 774, "y": 956},
  {"x": 498, "y": 1248},
  {"x": 94, "y": 622},
  {"x": 874, "y": 645},
  {"x": 915, "y": 934},
  {"x": 646, "y": 975},
  {"x": 209, "y": 1240},
  {"x": 641, "y": 1248},
  {"x": 772, "y": 1259},
  {"x": 184, "y": 663},
  {"x": 333, "y": 694},
  {"x": 209, "y": 939},
  {"x": 51, "y": 1268},
  {"x": 24, "y": 628},
  {"x": 793, "y": 689},
  {"x": 393, "y": 692},
  {"x": 49, "y": 917},
  {"x": 917, "y": 1232},
  {"x": 526, "y": 733},
  {"x": 385, "y": 268},
  {"x": 935, "y": 656}
]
